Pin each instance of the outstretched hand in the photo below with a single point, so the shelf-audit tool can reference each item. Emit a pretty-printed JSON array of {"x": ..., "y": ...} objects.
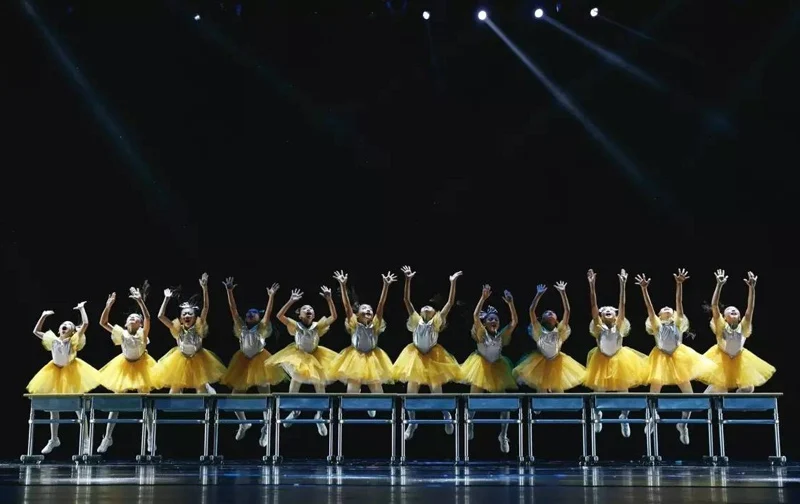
[
  {"x": 111, "y": 298},
  {"x": 561, "y": 286},
  {"x": 228, "y": 283},
  {"x": 541, "y": 289},
  {"x": 80, "y": 305},
  {"x": 407, "y": 272},
  {"x": 341, "y": 276},
  {"x": 642, "y": 281},
  {"x": 507, "y": 297},
  {"x": 681, "y": 276},
  {"x": 204, "y": 280},
  {"x": 486, "y": 292},
  {"x": 751, "y": 279},
  {"x": 721, "y": 277},
  {"x": 272, "y": 290},
  {"x": 47, "y": 313},
  {"x": 325, "y": 292},
  {"x": 388, "y": 278},
  {"x": 591, "y": 276},
  {"x": 623, "y": 276},
  {"x": 455, "y": 275},
  {"x": 296, "y": 295},
  {"x": 135, "y": 294},
  {"x": 168, "y": 293}
]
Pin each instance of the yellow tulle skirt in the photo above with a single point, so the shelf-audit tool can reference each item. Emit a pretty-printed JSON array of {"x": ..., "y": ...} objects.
[
  {"x": 490, "y": 376},
  {"x": 175, "y": 370},
  {"x": 77, "y": 377},
  {"x": 244, "y": 373},
  {"x": 559, "y": 373},
  {"x": 744, "y": 370},
  {"x": 304, "y": 367},
  {"x": 433, "y": 369},
  {"x": 366, "y": 367},
  {"x": 684, "y": 365},
  {"x": 626, "y": 369},
  {"x": 121, "y": 375}
]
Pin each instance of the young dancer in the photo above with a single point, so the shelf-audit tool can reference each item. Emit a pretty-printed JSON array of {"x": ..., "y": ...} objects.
[
  {"x": 189, "y": 365},
  {"x": 549, "y": 369},
  {"x": 737, "y": 368},
  {"x": 247, "y": 369},
  {"x": 612, "y": 367},
  {"x": 304, "y": 360},
  {"x": 65, "y": 373},
  {"x": 133, "y": 369},
  {"x": 425, "y": 361},
  {"x": 363, "y": 362},
  {"x": 487, "y": 370},
  {"x": 671, "y": 362}
]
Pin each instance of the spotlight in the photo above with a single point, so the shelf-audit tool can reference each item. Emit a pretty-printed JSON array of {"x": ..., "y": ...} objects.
[
  {"x": 426, "y": 15},
  {"x": 538, "y": 13},
  {"x": 197, "y": 17},
  {"x": 482, "y": 15},
  {"x": 594, "y": 12}
]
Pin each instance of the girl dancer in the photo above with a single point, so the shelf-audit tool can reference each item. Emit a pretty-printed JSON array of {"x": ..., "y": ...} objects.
[
  {"x": 549, "y": 370},
  {"x": 425, "y": 361},
  {"x": 189, "y": 365},
  {"x": 363, "y": 362},
  {"x": 247, "y": 368},
  {"x": 612, "y": 367},
  {"x": 671, "y": 362},
  {"x": 304, "y": 360},
  {"x": 65, "y": 374},
  {"x": 737, "y": 368},
  {"x": 487, "y": 370},
  {"x": 134, "y": 368}
]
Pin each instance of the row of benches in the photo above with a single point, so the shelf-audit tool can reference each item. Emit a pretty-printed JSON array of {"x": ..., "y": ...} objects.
[{"x": 211, "y": 411}]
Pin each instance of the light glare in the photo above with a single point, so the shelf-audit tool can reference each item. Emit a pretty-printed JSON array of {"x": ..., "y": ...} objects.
[
  {"x": 538, "y": 13},
  {"x": 426, "y": 15},
  {"x": 594, "y": 12},
  {"x": 482, "y": 15}
]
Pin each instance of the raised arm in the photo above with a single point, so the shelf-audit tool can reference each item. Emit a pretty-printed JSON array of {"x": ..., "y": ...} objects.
[
  {"x": 623, "y": 281},
  {"x": 561, "y": 287},
  {"x": 270, "y": 304},
  {"x": 162, "y": 312},
  {"x": 341, "y": 277},
  {"x": 139, "y": 296},
  {"x": 38, "y": 329},
  {"x": 204, "y": 286},
  {"x": 680, "y": 277},
  {"x": 326, "y": 293},
  {"x": 407, "y": 289},
  {"x": 476, "y": 315},
  {"x": 751, "y": 297},
  {"x": 451, "y": 298},
  {"x": 296, "y": 296},
  {"x": 643, "y": 282},
  {"x": 229, "y": 286},
  {"x": 592, "y": 276},
  {"x": 106, "y": 311},
  {"x": 81, "y": 329},
  {"x": 509, "y": 299},
  {"x": 388, "y": 279},
  {"x": 540, "y": 290},
  {"x": 721, "y": 279}
]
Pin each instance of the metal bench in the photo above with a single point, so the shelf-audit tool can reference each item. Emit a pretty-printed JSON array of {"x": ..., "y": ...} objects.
[
  {"x": 247, "y": 404},
  {"x": 302, "y": 402},
  {"x": 678, "y": 403},
  {"x": 364, "y": 403},
  {"x": 177, "y": 403},
  {"x": 57, "y": 403},
  {"x": 729, "y": 403},
  {"x": 419, "y": 403},
  {"x": 119, "y": 403},
  {"x": 557, "y": 403},
  {"x": 620, "y": 402},
  {"x": 494, "y": 403}
]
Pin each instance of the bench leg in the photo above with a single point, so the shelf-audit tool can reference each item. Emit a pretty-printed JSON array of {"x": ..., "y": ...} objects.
[
  {"x": 457, "y": 433},
  {"x": 530, "y": 434},
  {"x": 778, "y": 458},
  {"x": 394, "y": 437}
]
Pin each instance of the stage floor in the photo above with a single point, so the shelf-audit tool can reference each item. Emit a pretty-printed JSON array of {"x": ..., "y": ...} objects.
[{"x": 367, "y": 482}]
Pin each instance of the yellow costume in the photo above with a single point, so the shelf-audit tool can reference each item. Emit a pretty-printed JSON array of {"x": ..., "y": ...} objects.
[
  {"x": 134, "y": 368},
  {"x": 549, "y": 368},
  {"x": 736, "y": 366},
  {"x": 487, "y": 368},
  {"x": 304, "y": 360},
  {"x": 65, "y": 374},
  {"x": 189, "y": 365},
  {"x": 611, "y": 366},
  {"x": 425, "y": 361},
  {"x": 246, "y": 368},
  {"x": 363, "y": 361},
  {"x": 671, "y": 362}
]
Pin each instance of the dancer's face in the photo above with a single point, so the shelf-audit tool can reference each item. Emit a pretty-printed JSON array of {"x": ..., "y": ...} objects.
[
  {"x": 608, "y": 316},
  {"x": 306, "y": 315},
  {"x": 365, "y": 314},
  {"x": 549, "y": 320},
  {"x": 66, "y": 328},
  {"x": 732, "y": 315},
  {"x": 492, "y": 323},
  {"x": 133, "y": 323},
  {"x": 666, "y": 314},
  {"x": 427, "y": 313},
  {"x": 188, "y": 317},
  {"x": 252, "y": 317}
]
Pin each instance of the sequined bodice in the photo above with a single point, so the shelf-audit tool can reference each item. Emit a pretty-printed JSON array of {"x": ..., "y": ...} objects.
[
  {"x": 364, "y": 338},
  {"x": 307, "y": 338},
  {"x": 491, "y": 346},
  {"x": 610, "y": 340},
  {"x": 251, "y": 340},
  {"x": 732, "y": 340},
  {"x": 189, "y": 341},
  {"x": 425, "y": 336},
  {"x": 668, "y": 338},
  {"x": 133, "y": 345},
  {"x": 61, "y": 350},
  {"x": 549, "y": 343}
]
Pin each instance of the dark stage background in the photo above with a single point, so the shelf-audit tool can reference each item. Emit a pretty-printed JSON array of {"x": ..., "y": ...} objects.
[{"x": 285, "y": 140}]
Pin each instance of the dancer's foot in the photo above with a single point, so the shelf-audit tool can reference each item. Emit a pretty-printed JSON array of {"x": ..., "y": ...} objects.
[
  {"x": 322, "y": 429},
  {"x": 290, "y": 416},
  {"x": 598, "y": 427},
  {"x": 242, "y": 431},
  {"x": 683, "y": 430},
  {"x": 262, "y": 441},
  {"x": 448, "y": 428},
  {"x": 51, "y": 445},
  {"x": 410, "y": 430},
  {"x": 504, "y": 447},
  {"x": 624, "y": 427},
  {"x": 105, "y": 444}
]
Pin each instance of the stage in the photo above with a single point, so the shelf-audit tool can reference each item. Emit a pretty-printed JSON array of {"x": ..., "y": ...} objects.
[{"x": 381, "y": 483}]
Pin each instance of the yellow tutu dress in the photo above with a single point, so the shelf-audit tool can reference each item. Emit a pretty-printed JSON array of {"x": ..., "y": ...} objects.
[
  {"x": 611, "y": 366},
  {"x": 549, "y": 369},
  {"x": 487, "y": 368},
  {"x": 65, "y": 374},
  {"x": 304, "y": 360},
  {"x": 671, "y": 362},
  {"x": 133, "y": 369},
  {"x": 425, "y": 361},
  {"x": 189, "y": 365},
  {"x": 736, "y": 366},
  {"x": 363, "y": 361},
  {"x": 247, "y": 368}
]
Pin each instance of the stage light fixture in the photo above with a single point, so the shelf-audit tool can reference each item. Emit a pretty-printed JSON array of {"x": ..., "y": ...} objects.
[
  {"x": 482, "y": 15},
  {"x": 197, "y": 17},
  {"x": 538, "y": 13},
  {"x": 594, "y": 12},
  {"x": 426, "y": 15}
]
